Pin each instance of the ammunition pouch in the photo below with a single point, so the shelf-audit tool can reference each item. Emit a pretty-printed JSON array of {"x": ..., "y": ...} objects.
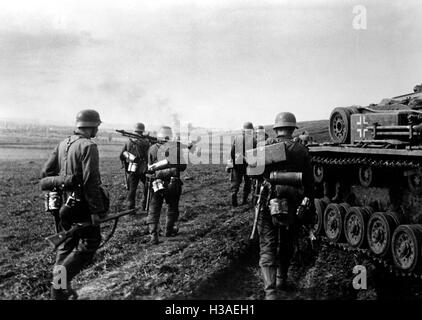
[{"x": 66, "y": 182}]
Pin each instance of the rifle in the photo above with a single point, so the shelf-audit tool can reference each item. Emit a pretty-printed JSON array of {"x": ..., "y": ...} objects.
[
  {"x": 262, "y": 200},
  {"x": 149, "y": 186},
  {"x": 153, "y": 140},
  {"x": 137, "y": 136},
  {"x": 60, "y": 237}
]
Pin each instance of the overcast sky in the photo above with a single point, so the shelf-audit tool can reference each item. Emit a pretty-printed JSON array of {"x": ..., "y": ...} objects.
[{"x": 212, "y": 63}]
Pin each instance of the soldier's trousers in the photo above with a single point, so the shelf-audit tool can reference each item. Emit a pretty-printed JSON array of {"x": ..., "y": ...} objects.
[
  {"x": 171, "y": 197},
  {"x": 236, "y": 177},
  {"x": 133, "y": 181},
  {"x": 276, "y": 244},
  {"x": 78, "y": 250}
]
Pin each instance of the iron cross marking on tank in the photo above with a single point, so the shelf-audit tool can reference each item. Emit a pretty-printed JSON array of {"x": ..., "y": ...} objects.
[{"x": 361, "y": 123}]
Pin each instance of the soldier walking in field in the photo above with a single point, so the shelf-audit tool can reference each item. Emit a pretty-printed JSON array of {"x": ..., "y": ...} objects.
[
  {"x": 78, "y": 156},
  {"x": 166, "y": 184},
  {"x": 241, "y": 144},
  {"x": 134, "y": 156},
  {"x": 279, "y": 223}
]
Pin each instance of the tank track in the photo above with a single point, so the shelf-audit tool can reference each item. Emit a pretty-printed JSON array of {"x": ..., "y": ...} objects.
[
  {"x": 374, "y": 162},
  {"x": 370, "y": 161},
  {"x": 387, "y": 265}
]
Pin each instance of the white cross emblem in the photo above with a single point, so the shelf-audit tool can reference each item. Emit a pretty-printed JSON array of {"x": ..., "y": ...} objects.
[{"x": 361, "y": 122}]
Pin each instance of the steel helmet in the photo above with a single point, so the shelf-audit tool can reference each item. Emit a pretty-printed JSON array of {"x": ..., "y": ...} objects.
[
  {"x": 139, "y": 127},
  {"x": 260, "y": 128},
  {"x": 88, "y": 118},
  {"x": 248, "y": 126},
  {"x": 165, "y": 133},
  {"x": 285, "y": 119}
]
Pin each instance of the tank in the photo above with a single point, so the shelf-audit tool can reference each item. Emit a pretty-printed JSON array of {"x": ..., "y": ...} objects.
[{"x": 368, "y": 182}]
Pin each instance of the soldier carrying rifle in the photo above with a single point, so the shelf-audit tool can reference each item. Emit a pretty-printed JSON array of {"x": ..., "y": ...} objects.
[
  {"x": 77, "y": 156},
  {"x": 134, "y": 157}
]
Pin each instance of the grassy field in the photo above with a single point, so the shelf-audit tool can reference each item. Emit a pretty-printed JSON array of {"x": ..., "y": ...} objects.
[{"x": 211, "y": 257}]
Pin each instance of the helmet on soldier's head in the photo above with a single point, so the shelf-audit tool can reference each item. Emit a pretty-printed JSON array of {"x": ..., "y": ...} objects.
[
  {"x": 260, "y": 128},
  {"x": 248, "y": 126},
  {"x": 139, "y": 127},
  {"x": 88, "y": 118},
  {"x": 165, "y": 133},
  {"x": 285, "y": 119}
]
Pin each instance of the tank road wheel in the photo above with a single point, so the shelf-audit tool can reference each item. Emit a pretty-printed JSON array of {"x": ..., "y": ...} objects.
[
  {"x": 366, "y": 176},
  {"x": 339, "y": 128},
  {"x": 318, "y": 171},
  {"x": 406, "y": 247},
  {"x": 320, "y": 205},
  {"x": 381, "y": 226},
  {"x": 333, "y": 221},
  {"x": 414, "y": 181},
  {"x": 355, "y": 224}
]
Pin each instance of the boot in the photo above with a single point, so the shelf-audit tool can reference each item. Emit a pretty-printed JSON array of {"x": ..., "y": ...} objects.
[
  {"x": 269, "y": 275},
  {"x": 153, "y": 233},
  {"x": 282, "y": 282},
  {"x": 171, "y": 230},
  {"x": 234, "y": 200},
  {"x": 63, "y": 294}
]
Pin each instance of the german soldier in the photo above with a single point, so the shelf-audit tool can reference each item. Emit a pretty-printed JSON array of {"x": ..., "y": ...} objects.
[
  {"x": 167, "y": 185},
  {"x": 260, "y": 133},
  {"x": 134, "y": 155},
  {"x": 276, "y": 229},
  {"x": 304, "y": 138},
  {"x": 241, "y": 144},
  {"x": 78, "y": 155}
]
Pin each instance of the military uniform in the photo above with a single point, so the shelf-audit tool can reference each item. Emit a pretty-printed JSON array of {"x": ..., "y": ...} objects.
[
  {"x": 78, "y": 155},
  {"x": 241, "y": 144},
  {"x": 276, "y": 241},
  {"x": 171, "y": 193},
  {"x": 139, "y": 148}
]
